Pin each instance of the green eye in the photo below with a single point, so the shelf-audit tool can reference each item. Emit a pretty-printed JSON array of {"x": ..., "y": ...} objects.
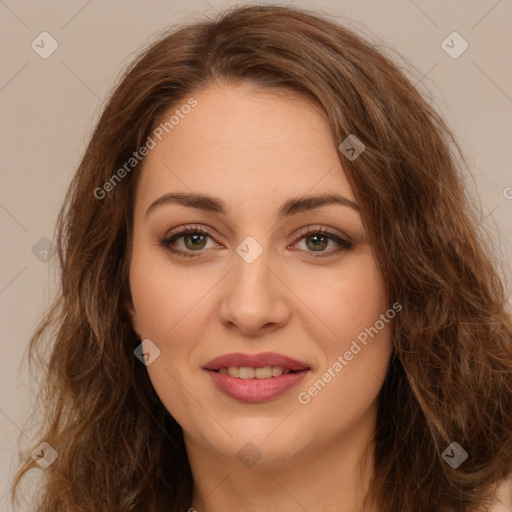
[
  {"x": 195, "y": 240},
  {"x": 318, "y": 242}
]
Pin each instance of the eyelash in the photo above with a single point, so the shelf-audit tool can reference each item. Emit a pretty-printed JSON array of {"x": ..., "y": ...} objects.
[{"x": 311, "y": 230}]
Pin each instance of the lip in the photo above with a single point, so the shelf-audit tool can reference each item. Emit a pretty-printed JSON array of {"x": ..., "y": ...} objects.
[
  {"x": 256, "y": 390},
  {"x": 255, "y": 361}
]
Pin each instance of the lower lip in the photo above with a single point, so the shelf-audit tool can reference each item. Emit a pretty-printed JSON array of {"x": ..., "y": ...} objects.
[{"x": 256, "y": 390}]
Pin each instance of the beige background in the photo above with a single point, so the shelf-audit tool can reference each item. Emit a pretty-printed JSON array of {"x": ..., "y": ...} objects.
[{"x": 49, "y": 107}]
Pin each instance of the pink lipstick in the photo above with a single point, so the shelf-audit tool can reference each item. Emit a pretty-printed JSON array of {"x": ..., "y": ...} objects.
[{"x": 255, "y": 378}]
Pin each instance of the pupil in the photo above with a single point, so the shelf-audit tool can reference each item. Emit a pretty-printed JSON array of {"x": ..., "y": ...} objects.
[
  {"x": 323, "y": 241},
  {"x": 195, "y": 238}
]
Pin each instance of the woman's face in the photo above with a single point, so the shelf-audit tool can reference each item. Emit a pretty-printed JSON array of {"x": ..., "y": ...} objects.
[{"x": 298, "y": 318}]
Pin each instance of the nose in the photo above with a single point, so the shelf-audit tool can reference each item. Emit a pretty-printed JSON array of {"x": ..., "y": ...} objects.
[{"x": 254, "y": 299}]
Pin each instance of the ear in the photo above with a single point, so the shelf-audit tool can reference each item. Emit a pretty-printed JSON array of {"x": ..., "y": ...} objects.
[{"x": 133, "y": 316}]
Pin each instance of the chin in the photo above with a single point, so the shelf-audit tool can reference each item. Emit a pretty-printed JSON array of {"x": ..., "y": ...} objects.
[{"x": 258, "y": 445}]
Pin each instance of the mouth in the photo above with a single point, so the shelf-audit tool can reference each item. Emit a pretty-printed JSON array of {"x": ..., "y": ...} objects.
[
  {"x": 246, "y": 372},
  {"x": 255, "y": 378}
]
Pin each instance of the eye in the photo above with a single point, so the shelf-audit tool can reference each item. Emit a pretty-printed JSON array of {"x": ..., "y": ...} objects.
[
  {"x": 317, "y": 239},
  {"x": 192, "y": 240}
]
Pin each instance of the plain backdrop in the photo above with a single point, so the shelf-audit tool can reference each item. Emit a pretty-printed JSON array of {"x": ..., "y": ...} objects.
[{"x": 49, "y": 107}]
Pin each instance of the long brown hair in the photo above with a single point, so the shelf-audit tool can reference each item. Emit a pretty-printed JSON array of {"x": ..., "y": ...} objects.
[{"x": 450, "y": 377}]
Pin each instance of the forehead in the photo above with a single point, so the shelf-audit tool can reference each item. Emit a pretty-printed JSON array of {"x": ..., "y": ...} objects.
[{"x": 245, "y": 143}]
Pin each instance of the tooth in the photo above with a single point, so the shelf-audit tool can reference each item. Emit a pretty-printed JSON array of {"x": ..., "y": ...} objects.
[
  {"x": 263, "y": 373},
  {"x": 234, "y": 371},
  {"x": 277, "y": 371},
  {"x": 246, "y": 372}
]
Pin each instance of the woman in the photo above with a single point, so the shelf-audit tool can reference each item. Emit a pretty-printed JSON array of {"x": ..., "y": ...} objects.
[{"x": 273, "y": 296}]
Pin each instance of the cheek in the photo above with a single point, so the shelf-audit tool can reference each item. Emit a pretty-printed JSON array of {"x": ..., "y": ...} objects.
[
  {"x": 355, "y": 359},
  {"x": 367, "y": 326},
  {"x": 164, "y": 298},
  {"x": 362, "y": 300},
  {"x": 357, "y": 346},
  {"x": 167, "y": 304},
  {"x": 348, "y": 302}
]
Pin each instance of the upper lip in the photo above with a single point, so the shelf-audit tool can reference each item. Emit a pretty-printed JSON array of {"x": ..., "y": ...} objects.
[{"x": 255, "y": 361}]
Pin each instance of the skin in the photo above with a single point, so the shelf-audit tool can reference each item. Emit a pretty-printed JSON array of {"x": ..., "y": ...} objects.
[{"x": 255, "y": 149}]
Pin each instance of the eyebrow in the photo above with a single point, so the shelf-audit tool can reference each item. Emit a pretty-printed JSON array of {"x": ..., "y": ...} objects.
[{"x": 216, "y": 205}]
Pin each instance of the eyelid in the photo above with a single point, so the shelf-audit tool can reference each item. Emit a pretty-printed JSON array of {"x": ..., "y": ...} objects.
[
  {"x": 344, "y": 242},
  {"x": 183, "y": 230},
  {"x": 319, "y": 228}
]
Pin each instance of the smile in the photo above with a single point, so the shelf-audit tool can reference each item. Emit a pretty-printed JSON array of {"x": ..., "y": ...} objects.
[
  {"x": 257, "y": 377},
  {"x": 246, "y": 372}
]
